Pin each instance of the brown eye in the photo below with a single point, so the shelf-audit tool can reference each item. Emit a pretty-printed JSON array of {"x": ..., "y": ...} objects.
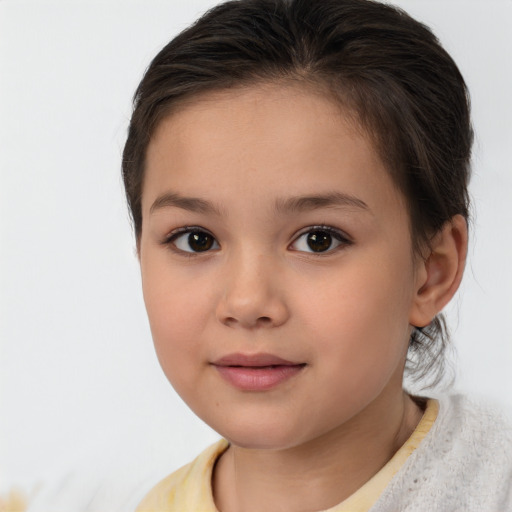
[
  {"x": 200, "y": 241},
  {"x": 320, "y": 240},
  {"x": 194, "y": 241}
]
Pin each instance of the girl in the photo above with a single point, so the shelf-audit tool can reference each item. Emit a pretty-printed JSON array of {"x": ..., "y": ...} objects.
[{"x": 297, "y": 176}]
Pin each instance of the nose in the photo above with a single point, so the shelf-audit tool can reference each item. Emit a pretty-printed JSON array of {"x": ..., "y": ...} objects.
[{"x": 252, "y": 294}]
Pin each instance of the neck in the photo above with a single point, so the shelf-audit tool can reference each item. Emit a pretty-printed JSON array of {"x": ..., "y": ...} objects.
[{"x": 320, "y": 473}]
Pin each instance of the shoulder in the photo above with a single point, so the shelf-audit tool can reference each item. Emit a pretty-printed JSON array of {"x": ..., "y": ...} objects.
[
  {"x": 479, "y": 428},
  {"x": 188, "y": 488},
  {"x": 464, "y": 463}
]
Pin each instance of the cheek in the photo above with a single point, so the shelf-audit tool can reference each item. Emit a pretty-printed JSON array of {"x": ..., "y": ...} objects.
[
  {"x": 360, "y": 321},
  {"x": 177, "y": 315},
  {"x": 360, "y": 299}
]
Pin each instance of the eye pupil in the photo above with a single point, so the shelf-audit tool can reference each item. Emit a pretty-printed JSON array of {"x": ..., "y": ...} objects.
[
  {"x": 200, "y": 241},
  {"x": 319, "y": 241}
]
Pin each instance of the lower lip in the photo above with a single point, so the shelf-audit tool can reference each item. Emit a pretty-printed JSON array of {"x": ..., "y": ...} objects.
[{"x": 262, "y": 378}]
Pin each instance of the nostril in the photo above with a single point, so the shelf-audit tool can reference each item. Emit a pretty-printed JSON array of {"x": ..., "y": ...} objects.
[
  {"x": 251, "y": 311},
  {"x": 262, "y": 321}
]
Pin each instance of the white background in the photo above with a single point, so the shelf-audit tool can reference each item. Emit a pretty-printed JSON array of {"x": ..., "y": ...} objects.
[{"x": 79, "y": 381}]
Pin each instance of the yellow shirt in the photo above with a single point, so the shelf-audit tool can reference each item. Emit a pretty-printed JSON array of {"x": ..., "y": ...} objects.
[{"x": 189, "y": 488}]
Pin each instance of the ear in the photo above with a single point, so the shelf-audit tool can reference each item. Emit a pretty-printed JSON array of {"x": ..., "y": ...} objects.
[{"x": 440, "y": 274}]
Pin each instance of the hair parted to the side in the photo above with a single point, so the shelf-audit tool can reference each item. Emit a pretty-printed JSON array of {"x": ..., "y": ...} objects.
[{"x": 385, "y": 69}]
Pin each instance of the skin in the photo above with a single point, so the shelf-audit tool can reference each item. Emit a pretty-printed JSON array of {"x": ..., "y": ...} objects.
[{"x": 345, "y": 314}]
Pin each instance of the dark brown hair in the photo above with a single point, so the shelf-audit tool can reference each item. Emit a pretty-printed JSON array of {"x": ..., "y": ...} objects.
[{"x": 385, "y": 68}]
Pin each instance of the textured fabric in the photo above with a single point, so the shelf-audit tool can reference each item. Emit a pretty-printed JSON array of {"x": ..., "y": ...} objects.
[
  {"x": 189, "y": 488},
  {"x": 365, "y": 497},
  {"x": 464, "y": 464}
]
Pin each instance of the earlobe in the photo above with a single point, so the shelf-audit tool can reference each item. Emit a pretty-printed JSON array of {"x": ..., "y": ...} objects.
[{"x": 440, "y": 274}]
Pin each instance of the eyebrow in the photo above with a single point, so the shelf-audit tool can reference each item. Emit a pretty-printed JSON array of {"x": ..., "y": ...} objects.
[
  {"x": 191, "y": 204},
  {"x": 314, "y": 202},
  {"x": 288, "y": 205}
]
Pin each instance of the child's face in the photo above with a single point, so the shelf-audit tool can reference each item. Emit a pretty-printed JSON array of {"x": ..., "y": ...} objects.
[{"x": 272, "y": 229}]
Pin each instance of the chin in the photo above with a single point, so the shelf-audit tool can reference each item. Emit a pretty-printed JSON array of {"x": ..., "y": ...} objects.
[
  {"x": 261, "y": 434},
  {"x": 259, "y": 441}
]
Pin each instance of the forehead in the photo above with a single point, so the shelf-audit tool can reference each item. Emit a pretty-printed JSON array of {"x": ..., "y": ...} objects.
[
  {"x": 254, "y": 114},
  {"x": 259, "y": 142}
]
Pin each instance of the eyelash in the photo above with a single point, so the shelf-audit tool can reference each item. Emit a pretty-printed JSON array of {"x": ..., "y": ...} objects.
[
  {"x": 170, "y": 240},
  {"x": 343, "y": 239}
]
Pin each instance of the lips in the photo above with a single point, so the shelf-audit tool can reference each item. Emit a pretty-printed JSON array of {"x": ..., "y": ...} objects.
[{"x": 256, "y": 372}]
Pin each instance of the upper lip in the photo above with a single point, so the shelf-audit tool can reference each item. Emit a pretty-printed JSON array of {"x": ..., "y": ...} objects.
[{"x": 253, "y": 360}]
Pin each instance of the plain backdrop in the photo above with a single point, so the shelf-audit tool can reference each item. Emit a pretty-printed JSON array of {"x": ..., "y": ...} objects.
[{"x": 79, "y": 381}]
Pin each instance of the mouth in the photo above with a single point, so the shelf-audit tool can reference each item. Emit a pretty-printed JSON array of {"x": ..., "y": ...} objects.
[{"x": 256, "y": 372}]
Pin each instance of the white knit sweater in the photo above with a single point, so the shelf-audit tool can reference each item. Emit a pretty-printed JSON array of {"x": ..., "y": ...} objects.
[{"x": 463, "y": 464}]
